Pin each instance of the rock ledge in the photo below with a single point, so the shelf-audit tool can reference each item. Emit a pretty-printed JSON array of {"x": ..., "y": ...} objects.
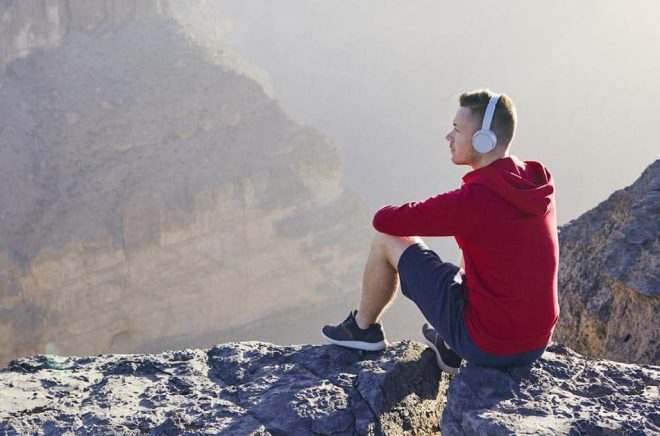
[
  {"x": 261, "y": 388},
  {"x": 561, "y": 393},
  {"x": 234, "y": 388}
]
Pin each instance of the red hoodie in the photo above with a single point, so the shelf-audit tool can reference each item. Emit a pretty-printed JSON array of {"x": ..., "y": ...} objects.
[{"x": 503, "y": 218}]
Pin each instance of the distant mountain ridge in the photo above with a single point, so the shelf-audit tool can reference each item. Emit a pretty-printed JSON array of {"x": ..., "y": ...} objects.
[{"x": 157, "y": 195}]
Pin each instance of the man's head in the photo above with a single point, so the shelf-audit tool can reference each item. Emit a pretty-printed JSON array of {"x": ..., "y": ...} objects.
[{"x": 470, "y": 116}]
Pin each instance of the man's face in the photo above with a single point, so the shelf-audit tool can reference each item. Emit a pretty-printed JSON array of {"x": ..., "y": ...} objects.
[{"x": 460, "y": 138}]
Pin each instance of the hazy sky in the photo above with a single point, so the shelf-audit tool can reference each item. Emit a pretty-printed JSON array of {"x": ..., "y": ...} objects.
[{"x": 382, "y": 79}]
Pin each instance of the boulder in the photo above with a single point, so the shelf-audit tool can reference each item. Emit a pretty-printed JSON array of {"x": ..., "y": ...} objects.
[
  {"x": 561, "y": 393},
  {"x": 609, "y": 285}
]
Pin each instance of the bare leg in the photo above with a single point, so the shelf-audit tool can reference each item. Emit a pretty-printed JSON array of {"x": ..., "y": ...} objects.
[{"x": 381, "y": 276}]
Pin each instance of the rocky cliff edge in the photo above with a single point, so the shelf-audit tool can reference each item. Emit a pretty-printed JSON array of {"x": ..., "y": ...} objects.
[
  {"x": 609, "y": 281},
  {"x": 260, "y": 388}
]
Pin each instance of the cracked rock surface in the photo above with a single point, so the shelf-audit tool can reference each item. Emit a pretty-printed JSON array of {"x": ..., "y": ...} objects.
[
  {"x": 561, "y": 393},
  {"x": 233, "y": 388}
]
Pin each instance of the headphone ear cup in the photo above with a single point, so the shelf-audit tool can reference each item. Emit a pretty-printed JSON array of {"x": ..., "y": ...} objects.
[{"x": 484, "y": 140}]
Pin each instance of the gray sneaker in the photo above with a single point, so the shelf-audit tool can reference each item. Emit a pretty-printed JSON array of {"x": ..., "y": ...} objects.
[{"x": 448, "y": 361}]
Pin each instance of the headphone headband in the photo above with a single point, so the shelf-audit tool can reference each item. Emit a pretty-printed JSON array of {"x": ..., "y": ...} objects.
[{"x": 490, "y": 111}]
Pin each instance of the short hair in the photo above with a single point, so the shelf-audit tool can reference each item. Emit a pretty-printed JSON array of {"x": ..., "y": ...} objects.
[{"x": 504, "y": 120}]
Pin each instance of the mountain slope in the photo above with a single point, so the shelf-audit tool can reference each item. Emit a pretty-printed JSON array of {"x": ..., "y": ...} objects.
[{"x": 157, "y": 195}]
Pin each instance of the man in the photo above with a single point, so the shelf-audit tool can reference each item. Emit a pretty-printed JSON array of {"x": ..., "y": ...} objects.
[{"x": 501, "y": 308}]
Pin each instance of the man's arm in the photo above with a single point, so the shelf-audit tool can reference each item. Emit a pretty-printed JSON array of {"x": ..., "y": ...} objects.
[{"x": 448, "y": 214}]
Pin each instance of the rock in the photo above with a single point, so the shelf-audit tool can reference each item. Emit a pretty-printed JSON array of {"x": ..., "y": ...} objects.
[
  {"x": 234, "y": 388},
  {"x": 609, "y": 280},
  {"x": 561, "y": 393},
  {"x": 261, "y": 388}
]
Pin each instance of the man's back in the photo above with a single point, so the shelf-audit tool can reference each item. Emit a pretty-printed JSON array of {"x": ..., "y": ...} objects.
[{"x": 511, "y": 258}]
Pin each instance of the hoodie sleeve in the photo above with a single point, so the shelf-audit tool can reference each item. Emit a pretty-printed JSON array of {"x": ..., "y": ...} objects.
[{"x": 452, "y": 213}]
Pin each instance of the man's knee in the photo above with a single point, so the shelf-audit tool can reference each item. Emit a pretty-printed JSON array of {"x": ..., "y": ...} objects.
[{"x": 394, "y": 246}]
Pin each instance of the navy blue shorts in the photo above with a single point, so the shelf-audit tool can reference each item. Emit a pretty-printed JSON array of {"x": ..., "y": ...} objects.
[{"x": 436, "y": 288}]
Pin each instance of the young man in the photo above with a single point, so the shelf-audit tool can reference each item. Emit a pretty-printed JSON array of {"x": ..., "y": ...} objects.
[{"x": 501, "y": 309}]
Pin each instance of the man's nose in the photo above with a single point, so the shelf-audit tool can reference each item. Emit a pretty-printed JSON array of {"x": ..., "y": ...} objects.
[{"x": 448, "y": 137}]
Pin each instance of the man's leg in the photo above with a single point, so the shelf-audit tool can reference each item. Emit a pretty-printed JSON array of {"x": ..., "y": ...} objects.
[
  {"x": 380, "y": 275},
  {"x": 378, "y": 289}
]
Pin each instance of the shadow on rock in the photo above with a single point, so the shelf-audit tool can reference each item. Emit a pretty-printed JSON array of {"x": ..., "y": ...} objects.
[{"x": 329, "y": 389}]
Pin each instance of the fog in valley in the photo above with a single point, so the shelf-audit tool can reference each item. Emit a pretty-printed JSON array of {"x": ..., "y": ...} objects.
[{"x": 382, "y": 78}]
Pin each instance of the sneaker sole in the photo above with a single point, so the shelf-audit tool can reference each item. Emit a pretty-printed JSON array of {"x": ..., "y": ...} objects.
[
  {"x": 446, "y": 368},
  {"x": 367, "y": 346}
]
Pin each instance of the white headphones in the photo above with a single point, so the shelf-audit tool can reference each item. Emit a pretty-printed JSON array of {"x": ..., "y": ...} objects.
[{"x": 484, "y": 139}]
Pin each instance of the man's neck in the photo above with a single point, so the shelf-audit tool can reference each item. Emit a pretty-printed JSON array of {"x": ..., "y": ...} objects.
[{"x": 486, "y": 159}]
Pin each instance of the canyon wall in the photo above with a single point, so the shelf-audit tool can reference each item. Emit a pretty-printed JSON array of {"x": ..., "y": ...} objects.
[
  {"x": 152, "y": 194},
  {"x": 30, "y": 25}
]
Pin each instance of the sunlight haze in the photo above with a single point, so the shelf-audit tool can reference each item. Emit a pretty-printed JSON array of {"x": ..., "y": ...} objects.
[{"x": 382, "y": 79}]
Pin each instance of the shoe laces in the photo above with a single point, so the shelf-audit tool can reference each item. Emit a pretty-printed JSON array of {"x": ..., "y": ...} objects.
[{"x": 349, "y": 320}]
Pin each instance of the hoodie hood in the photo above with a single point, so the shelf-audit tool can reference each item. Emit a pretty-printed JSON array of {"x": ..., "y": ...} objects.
[{"x": 528, "y": 185}]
